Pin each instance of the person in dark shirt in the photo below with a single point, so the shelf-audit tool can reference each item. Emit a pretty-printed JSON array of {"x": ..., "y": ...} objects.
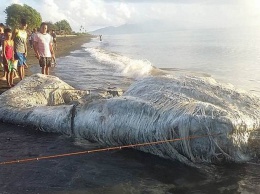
[
  {"x": 54, "y": 39},
  {"x": 1, "y": 54}
]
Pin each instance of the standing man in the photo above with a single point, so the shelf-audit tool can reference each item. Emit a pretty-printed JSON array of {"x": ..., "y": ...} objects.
[
  {"x": 43, "y": 48},
  {"x": 20, "y": 47},
  {"x": 34, "y": 32},
  {"x": 54, "y": 36}
]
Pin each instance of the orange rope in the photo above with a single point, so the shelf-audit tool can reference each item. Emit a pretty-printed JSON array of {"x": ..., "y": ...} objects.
[
  {"x": 55, "y": 88},
  {"x": 101, "y": 150}
]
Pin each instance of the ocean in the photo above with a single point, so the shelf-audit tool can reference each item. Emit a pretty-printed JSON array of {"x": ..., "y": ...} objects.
[{"x": 230, "y": 56}]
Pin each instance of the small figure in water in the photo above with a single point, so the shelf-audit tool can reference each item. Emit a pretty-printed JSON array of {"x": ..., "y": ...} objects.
[{"x": 100, "y": 37}]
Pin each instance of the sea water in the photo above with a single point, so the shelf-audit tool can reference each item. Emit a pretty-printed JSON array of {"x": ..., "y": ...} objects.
[{"x": 228, "y": 55}]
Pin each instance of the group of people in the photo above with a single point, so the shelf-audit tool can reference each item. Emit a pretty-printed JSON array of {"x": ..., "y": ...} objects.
[{"x": 14, "y": 50}]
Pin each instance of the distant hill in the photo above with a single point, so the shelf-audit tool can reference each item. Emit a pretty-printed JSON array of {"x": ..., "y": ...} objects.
[
  {"x": 106, "y": 30},
  {"x": 153, "y": 26}
]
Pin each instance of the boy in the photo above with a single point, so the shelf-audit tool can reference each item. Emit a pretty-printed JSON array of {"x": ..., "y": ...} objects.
[{"x": 20, "y": 47}]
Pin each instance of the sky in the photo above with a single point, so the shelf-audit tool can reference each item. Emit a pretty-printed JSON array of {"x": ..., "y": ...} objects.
[{"x": 95, "y": 14}]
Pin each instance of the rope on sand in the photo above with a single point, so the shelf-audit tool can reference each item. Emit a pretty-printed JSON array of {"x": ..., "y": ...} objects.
[{"x": 102, "y": 149}]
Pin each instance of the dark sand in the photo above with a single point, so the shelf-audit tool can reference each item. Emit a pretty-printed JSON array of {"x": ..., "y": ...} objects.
[{"x": 123, "y": 171}]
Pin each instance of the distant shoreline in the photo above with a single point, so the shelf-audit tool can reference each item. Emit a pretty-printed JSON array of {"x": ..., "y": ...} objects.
[{"x": 65, "y": 45}]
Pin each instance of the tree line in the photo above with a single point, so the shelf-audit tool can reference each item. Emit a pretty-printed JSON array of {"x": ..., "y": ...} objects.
[{"x": 15, "y": 12}]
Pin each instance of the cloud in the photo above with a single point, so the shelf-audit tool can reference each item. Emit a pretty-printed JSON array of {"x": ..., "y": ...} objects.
[{"x": 186, "y": 13}]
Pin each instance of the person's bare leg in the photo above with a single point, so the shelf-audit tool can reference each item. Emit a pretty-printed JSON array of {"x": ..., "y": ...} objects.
[
  {"x": 8, "y": 79},
  {"x": 12, "y": 78},
  {"x": 21, "y": 72},
  {"x": 15, "y": 74},
  {"x": 44, "y": 70},
  {"x": 25, "y": 65},
  {"x": 47, "y": 71}
]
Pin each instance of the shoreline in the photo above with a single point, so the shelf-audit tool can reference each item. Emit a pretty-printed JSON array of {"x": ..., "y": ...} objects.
[
  {"x": 65, "y": 45},
  {"x": 18, "y": 142}
]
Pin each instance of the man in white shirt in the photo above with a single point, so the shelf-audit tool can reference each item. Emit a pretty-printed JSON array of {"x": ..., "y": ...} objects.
[{"x": 43, "y": 48}]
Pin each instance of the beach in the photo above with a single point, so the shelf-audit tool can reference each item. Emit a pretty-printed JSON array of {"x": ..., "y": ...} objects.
[
  {"x": 118, "y": 171},
  {"x": 127, "y": 61},
  {"x": 64, "y": 46},
  {"x": 22, "y": 142},
  {"x": 65, "y": 175}
]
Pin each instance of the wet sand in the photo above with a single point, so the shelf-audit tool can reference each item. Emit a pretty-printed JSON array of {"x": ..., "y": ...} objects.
[{"x": 123, "y": 171}]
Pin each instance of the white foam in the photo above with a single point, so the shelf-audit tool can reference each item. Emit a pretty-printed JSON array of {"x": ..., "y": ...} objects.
[{"x": 123, "y": 65}]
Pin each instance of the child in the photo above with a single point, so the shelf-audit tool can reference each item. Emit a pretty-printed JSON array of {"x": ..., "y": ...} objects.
[{"x": 8, "y": 56}]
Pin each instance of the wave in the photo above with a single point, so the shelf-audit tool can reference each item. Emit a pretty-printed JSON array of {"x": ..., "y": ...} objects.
[
  {"x": 227, "y": 120},
  {"x": 122, "y": 64}
]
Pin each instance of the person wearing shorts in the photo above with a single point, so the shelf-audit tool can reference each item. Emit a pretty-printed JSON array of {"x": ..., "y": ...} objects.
[
  {"x": 43, "y": 48},
  {"x": 20, "y": 47},
  {"x": 45, "y": 61}
]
